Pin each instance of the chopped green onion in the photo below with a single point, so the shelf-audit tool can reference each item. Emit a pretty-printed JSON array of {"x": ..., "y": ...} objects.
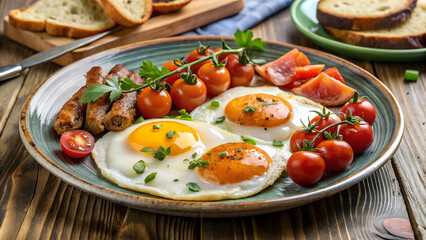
[
  {"x": 411, "y": 75},
  {"x": 147, "y": 149},
  {"x": 150, "y": 177},
  {"x": 222, "y": 154},
  {"x": 139, "y": 120},
  {"x": 157, "y": 126},
  {"x": 268, "y": 103},
  {"x": 249, "y": 110},
  {"x": 277, "y": 143},
  {"x": 176, "y": 180},
  {"x": 248, "y": 140},
  {"x": 260, "y": 99},
  {"x": 170, "y": 134},
  {"x": 214, "y": 104},
  {"x": 139, "y": 167},
  {"x": 219, "y": 119}
]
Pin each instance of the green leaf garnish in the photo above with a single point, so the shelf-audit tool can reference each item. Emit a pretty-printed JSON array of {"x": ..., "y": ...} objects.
[
  {"x": 139, "y": 120},
  {"x": 96, "y": 91},
  {"x": 184, "y": 115},
  {"x": 161, "y": 153},
  {"x": 147, "y": 149},
  {"x": 193, "y": 187},
  {"x": 194, "y": 155},
  {"x": 150, "y": 71},
  {"x": 214, "y": 104},
  {"x": 219, "y": 119},
  {"x": 268, "y": 103},
  {"x": 260, "y": 99},
  {"x": 248, "y": 140},
  {"x": 277, "y": 143},
  {"x": 170, "y": 134},
  {"x": 222, "y": 154},
  {"x": 249, "y": 110},
  {"x": 244, "y": 39},
  {"x": 127, "y": 84},
  {"x": 209, "y": 154},
  {"x": 176, "y": 180},
  {"x": 198, "y": 163},
  {"x": 150, "y": 177},
  {"x": 157, "y": 126},
  {"x": 139, "y": 167}
]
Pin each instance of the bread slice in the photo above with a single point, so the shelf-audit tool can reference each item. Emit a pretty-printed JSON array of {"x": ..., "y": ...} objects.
[
  {"x": 410, "y": 34},
  {"x": 128, "y": 12},
  {"x": 72, "y": 18},
  {"x": 166, "y": 6},
  {"x": 364, "y": 14}
]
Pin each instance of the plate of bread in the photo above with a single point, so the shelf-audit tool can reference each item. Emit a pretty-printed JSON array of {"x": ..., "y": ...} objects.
[{"x": 390, "y": 31}]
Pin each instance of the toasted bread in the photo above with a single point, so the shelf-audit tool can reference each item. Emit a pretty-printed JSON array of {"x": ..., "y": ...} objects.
[
  {"x": 72, "y": 18},
  {"x": 128, "y": 12},
  {"x": 410, "y": 34},
  {"x": 166, "y": 6},
  {"x": 364, "y": 14}
]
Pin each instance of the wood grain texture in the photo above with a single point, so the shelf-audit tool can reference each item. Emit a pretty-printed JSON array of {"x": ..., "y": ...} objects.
[{"x": 37, "y": 205}]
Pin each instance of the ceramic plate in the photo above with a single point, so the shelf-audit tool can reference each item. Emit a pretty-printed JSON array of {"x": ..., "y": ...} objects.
[
  {"x": 303, "y": 14},
  {"x": 48, "y": 97}
]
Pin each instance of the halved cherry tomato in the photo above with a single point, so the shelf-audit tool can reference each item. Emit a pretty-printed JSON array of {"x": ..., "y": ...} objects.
[
  {"x": 171, "y": 66},
  {"x": 299, "y": 136},
  {"x": 194, "y": 56},
  {"x": 359, "y": 136},
  {"x": 153, "y": 104},
  {"x": 187, "y": 96},
  {"x": 363, "y": 109},
  {"x": 217, "y": 79},
  {"x": 325, "y": 122},
  {"x": 77, "y": 143},
  {"x": 337, "y": 154},
  {"x": 334, "y": 73},
  {"x": 241, "y": 74},
  {"x": 305, "y": 168}
]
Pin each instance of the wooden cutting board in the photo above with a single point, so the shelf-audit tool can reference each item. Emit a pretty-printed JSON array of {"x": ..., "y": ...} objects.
[{"x": 196, "y": 14}]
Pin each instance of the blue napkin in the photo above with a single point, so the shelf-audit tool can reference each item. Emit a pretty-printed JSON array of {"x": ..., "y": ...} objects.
[{"x": 254, "y": 12}]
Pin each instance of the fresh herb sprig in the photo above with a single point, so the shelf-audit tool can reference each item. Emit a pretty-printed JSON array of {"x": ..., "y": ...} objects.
[{"x": 154, "y": 76}]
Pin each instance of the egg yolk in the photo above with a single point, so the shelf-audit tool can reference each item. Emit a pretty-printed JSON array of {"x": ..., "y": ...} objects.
[
  {"x": 179, "y": 136},
  {"x": 258, "y": 110},
  {"x": 234, "y": 162}
]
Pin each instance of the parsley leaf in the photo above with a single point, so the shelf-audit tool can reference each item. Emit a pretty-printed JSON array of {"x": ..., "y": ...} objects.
[
  {"x": 198, "y": 163},
  {"x": 127, "y": 84},
  {"x": 214, "y": 104},
  {"x": 170, "y": 134},
  {"x": 194, "y": 155},
  {"x": 249, "y": 110},
  {"x": 222, "y": 154},
  {"x": 244, "y": 39},
  {"x": 157, "y": 126},
  {"x": 277, "y": 143},
  {"x": 193, "y": 187},
  {"x": 147, "y": 149},
  {"x": 219, "y": 119},
  {"x": 139, "y": 167},
  {"x": 150, "y": 177},
  {"x": 161, "y": 153},
  {"x": 150, "y": 71},
  {"x": 184, "y": 115},
  {"x": 176, "y": 180},
  {"x": 93, "y": 92},
  {"x": 248, "y": 140}
]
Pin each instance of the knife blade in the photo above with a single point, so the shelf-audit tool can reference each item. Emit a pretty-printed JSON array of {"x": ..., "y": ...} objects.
[{"x": 14, "y": 70}]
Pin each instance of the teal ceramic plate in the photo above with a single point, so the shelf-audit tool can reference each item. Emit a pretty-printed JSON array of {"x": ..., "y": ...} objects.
[
  {"x": 48, "y": 97},
  {"x": 303, "y": 14}
]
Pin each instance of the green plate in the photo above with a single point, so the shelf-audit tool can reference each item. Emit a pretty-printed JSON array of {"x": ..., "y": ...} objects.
[
  {"x": 303, "y": 13},
  {"x": 48, "y": 97}
]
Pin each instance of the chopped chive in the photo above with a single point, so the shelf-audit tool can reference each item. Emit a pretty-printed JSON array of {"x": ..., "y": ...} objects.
[
  {"x": 277, "y": 143},
  {"x": 260, "y": 99},
  {"x": 249, "y": 110},
  {"x": 139, "y": 167},
  {"x": 147, "y": 149},
  {"x": 411, "y": 75},
  {"x": 219, "y": 119},
  {"x": 170, "y": 134},
  {"x": 268, "y": 103},
  {"x": 214, "y": 104},
  {"x": 176, "y": 180},
  {"x": 193, "y": 187},
  {"x": 222, "y": 154},
  {"x": 248, "y": 140},
  {"x": 150, "y": 177},
  {"x": 139, "y": 120},
  {"x": 157, "y": 126}
]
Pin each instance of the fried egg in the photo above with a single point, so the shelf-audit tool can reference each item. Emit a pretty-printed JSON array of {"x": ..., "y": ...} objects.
[
  {"x": 204, "y": 161},
  {"x": 260, "y": 113}
]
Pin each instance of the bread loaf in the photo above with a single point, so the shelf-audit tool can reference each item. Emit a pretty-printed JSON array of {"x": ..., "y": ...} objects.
[{"x": 128, "y": 12}]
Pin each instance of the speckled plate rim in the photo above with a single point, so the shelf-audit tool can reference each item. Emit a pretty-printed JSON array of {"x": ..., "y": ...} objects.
[
  {"x": 367, "y": 53},
  {"x": 212, "y": 209}
]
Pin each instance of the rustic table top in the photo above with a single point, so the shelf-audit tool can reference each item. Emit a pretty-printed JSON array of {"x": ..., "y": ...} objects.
[{"x": 36, "y": 204}]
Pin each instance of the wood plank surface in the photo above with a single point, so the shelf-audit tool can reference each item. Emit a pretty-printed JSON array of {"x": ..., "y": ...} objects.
[
  {"x": 34, "y": 204},
  {"x": 197, "y": 13}
]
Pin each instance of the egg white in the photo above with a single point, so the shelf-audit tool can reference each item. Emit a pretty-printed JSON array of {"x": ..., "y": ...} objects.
[
  {"x": 115, "y": 159},
  {"x": 301, "y": 108}
]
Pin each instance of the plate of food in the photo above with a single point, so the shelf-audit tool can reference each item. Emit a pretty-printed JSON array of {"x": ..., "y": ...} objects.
[
  {"x": 388, "y": 37},
  {"x": 224, "y": 148}
]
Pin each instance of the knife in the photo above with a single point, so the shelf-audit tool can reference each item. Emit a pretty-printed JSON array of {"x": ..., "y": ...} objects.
[{"x": 14, "y": 70}]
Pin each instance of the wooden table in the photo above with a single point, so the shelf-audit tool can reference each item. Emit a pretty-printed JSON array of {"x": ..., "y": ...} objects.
[{"x": 35, "y": 204}]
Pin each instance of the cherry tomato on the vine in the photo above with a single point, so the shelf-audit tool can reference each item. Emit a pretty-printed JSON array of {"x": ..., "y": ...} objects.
[
  {"x": 298, "y": 137},
  {"x": 359, "y": 136},
  {"x": 154, "y": 104},
  {"x": 363, "y": 109},
  {"x": 337, "y": 154},
  {"x": 196, "y": 55},
  {"x": 188, "y": 96},
  {"x": 77, "y": 143},
  {"x": 241, "y": 74},
  {"x": 171, "y": 66},
  {"x": 217, "y": 79},
  {"x": 305, "y": 168},
  {"x": 332, "y": 118}
]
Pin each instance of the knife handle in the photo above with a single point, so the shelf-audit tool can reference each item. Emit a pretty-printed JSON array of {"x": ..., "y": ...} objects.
[{"x": 10, "y": 71}]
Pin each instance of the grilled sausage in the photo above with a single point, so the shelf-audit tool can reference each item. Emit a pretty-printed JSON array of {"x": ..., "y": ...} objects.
[
  {"x": 97, "y": 110},
  {"x": 123, "y": 111},
  {"x": 71, "y": 115}
]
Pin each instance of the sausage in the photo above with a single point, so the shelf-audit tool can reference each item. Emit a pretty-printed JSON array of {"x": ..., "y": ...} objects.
[
  {"x": 96, "y": 111},
  {"x": 71, "y": 115},
  {"x": 123, "y": 111}
]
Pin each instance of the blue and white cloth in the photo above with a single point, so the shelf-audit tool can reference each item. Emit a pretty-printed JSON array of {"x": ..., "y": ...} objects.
[{"x": 254, "y": 12}]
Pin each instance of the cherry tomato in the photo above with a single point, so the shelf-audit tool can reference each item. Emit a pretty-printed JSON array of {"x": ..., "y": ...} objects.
[
  {"x": 241, "y": 74},
  {"x": 217, "y": 79},
  {"x": 194, "y": 56},
  {"x": 188, "y": 96},
  {"x": 153, "y": 104},
  {"x": 305, "y": 168},
  {"x": 298, "y": 137},
  {"x": 363, "y": 109},
  {"x": 171, "y": 66},
  {"x": 359, "y": 136},
  {"x": 77, "y": 143},
  {"x": 337, "y": 154},
  {"x": 332, "y": 118}
]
